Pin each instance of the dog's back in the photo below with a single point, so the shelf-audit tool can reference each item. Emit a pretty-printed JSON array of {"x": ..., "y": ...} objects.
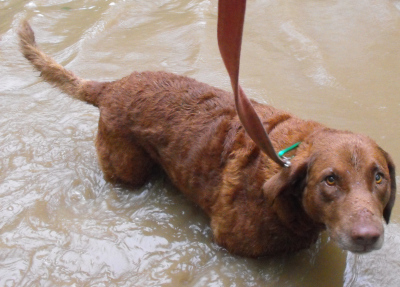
[{"x": 175, "y": 121}]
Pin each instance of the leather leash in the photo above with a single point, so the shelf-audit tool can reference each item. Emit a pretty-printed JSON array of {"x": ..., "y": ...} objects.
[{"x": 230, "y": 30}]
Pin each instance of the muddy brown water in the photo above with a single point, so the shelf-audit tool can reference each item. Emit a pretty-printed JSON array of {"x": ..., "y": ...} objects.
[{"x": 61, "y": 224}]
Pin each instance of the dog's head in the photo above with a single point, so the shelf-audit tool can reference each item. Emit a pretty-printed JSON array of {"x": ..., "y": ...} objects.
[{"x": 347, "y": 184}]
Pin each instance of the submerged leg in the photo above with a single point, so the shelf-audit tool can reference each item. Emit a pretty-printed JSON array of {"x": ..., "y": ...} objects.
[{"x": 121, "y": 159}]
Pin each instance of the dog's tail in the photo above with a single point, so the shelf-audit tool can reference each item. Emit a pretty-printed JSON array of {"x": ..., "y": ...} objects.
[{"x": 54, "y": 73}]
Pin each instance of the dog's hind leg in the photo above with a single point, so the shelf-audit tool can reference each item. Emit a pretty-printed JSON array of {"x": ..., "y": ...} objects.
[{"x": 121, "y": 159}]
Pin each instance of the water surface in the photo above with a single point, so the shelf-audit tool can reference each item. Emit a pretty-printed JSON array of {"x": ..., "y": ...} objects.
[{"x": 61, "y": 224}]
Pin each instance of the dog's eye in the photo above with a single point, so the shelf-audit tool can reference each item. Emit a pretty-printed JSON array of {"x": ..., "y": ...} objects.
[
  {"x": 330, "y": 180},
  {"x": 378, "y": 178}
]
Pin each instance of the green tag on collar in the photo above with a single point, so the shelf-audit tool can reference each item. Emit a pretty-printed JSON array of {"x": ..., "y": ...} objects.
[{"x": 282, "y": 152}]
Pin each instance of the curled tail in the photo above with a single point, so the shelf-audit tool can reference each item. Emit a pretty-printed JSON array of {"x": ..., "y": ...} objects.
[{"x": 54, "y": 73}]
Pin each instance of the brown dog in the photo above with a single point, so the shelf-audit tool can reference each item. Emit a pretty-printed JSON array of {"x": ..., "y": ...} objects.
[{"x": 338, "y": 180}]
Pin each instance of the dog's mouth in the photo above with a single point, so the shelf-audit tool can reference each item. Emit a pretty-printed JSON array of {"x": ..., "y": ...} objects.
[
  {"x": 362, "y": 249},
  {"x": 356, "y": 245}
]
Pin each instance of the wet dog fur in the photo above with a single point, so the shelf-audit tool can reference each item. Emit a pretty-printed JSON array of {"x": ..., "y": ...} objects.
[{"x": 339, "y": 181}]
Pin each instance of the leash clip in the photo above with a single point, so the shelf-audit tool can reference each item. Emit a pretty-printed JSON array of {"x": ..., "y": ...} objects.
[{"x": 286, "y": 160}]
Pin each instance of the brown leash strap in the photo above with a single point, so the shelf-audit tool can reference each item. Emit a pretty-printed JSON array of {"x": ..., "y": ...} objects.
[{"x": 230, "y": 30}]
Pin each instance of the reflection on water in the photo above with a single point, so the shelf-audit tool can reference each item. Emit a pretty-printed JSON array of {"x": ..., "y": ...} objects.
[{"x": 62, "y": 224}]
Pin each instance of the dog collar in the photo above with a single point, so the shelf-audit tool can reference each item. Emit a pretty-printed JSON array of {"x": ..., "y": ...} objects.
[{"x": 292, "y": 147}]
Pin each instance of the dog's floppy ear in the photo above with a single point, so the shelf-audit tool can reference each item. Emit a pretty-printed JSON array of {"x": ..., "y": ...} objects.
[
  {"x": 288, "y": 180},
  {"x": 283, "y": 194},
  {"x": 392, "y": 172}
]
